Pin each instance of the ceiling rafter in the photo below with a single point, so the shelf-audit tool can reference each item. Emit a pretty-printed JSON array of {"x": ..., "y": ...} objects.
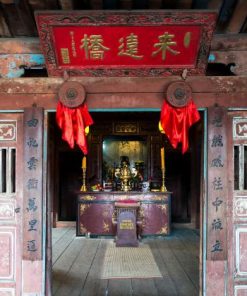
[
  {"x": 66, "y": 4},
  {"x": 238, "y": 17},
  {"x": 17, "y": 16}
]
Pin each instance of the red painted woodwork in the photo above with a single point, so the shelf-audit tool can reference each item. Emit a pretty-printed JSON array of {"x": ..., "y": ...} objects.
[
  {"x": 95, "y": 212},
  {"x": 95, "y": 43},
  {"x": 178, "y": 54}
]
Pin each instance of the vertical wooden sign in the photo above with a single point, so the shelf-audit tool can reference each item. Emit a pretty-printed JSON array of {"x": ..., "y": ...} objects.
[
  {"x": 32, "y": 183},
  {"x": 217, "y": 183}
]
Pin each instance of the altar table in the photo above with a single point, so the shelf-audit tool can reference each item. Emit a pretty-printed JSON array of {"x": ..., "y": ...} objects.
[{"x": 96, "y": 215}]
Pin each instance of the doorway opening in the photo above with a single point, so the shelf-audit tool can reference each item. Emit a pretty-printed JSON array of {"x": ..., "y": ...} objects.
[{"x": 184, "y": 175}]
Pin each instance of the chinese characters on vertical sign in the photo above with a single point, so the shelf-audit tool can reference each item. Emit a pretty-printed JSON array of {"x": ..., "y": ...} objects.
[
  {"x": 33, "y": 143},
  {"x": 217, "y": 184},
  {"x": 127, "y": 46}
]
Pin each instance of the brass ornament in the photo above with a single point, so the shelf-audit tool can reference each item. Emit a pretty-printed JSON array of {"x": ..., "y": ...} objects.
[
  {"x": 179, "y": 94},
  {"x": 72, "y": 94}
]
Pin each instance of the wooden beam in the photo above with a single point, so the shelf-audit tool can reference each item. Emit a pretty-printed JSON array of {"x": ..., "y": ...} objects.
[
  {"x": 155, "y": 4},
  {"x": 229, "y": 42},
  {"x": 22, "y": 24},
  {"x": 225, "y": 14},
  {"x": 20, "y": 45},
  {"x": 45, "y": 4},
  {"x": 199, "y": 84},
  {"x": 169, "y": 4},
  {"x": 237, "y": 58},
  {"x": 220, "y": 42},
  {"x": 4, "y": 30},
  {"x": 66, "y": 4},
  {"x": 7, "y": 1},
  {"x": 128, "y": 101},
  {"x": 199, "y": 4},
  {"x": 238, "y": 18},
  {"x": 185, "y": 4},
  {"x": 215, "y": 4},
  {"x": 125, "y": 4},
  {"x": 97, "y": 4}
]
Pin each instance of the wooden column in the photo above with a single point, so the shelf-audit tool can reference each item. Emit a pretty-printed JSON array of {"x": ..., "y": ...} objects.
[
  {"x": 32, "y": 184},
  {"x": 217, "y": 200}
]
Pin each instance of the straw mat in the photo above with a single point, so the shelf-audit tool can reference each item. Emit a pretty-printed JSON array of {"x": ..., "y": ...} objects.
[{"x": 123, "y": 262}]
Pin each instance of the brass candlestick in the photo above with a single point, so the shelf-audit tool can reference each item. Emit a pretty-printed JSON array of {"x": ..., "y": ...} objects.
[
  {"x": 163, "y": 187},
  {"x": 83, "y": 187}
]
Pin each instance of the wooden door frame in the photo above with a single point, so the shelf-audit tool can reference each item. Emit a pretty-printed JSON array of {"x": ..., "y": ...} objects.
[
  {"x": 233, "y": 223},
  {"x": 47, "y": 225}
]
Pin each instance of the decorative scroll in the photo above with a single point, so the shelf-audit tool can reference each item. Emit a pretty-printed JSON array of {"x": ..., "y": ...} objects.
[
  {"x": 240, "y": 207},
  {"x": 7, "y": 130},
  {"x": 240, "y": 128},
  {"x": 217, "y": 184},
  {"x": 32, "y": 165},
  {"x": 125, "y": 43},
  {"x": 7, "y": 211}
]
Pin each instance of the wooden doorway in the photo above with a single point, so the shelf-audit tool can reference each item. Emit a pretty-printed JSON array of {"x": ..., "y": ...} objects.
[
  {"x": 192, "y": 215},
  {"x": 237, "y": 203}
]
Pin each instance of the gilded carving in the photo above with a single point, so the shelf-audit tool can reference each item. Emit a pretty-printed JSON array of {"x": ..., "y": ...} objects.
[
  {"x": 88, "y": 197},
  {"x": 106, "y": 211},
  {"x": 106, "y": 227},
  {"x": 123, "y": 197},
  {"x": 6, "y": 211},
  {"x": 158, "y": 197},
  {"x": 163, "y": 208},
  {"x": 163, "y": 230},
  {"x": 83, "y": 208},
  {"x": 83, "y": 229}
]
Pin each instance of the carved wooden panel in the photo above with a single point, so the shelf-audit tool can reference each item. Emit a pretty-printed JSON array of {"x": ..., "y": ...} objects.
[
  {"x": 10, "y": 203},
  {"x": 240, "y": 290},
  {"x": 240, "y": 128},
  {"x": 7, "y": 292},
  {"x": 241, "y": 250},
  {"x": 7, "y": 209},
  {"x": 8, "y": 130},
  {"x": 7, "y": 254},
  {"x": 240, "y": 208},
  {"x": 126, "y": 128}
]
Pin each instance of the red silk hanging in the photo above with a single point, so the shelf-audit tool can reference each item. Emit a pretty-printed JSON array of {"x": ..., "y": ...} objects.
[
  {"x": 73, "y": 122},
  {"x": 177, "y": 121}
]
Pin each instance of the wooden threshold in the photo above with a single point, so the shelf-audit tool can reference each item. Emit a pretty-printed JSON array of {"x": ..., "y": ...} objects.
[{"x": 64, "y": 224}]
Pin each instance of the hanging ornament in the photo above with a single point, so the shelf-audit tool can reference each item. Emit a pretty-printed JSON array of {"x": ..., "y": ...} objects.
[
  {"x": 72, "y": 114},
  {"x": 178, "y": 114}
]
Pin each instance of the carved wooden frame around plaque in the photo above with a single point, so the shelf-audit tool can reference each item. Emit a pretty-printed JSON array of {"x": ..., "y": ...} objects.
[{"x": 144, "y": 22}]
